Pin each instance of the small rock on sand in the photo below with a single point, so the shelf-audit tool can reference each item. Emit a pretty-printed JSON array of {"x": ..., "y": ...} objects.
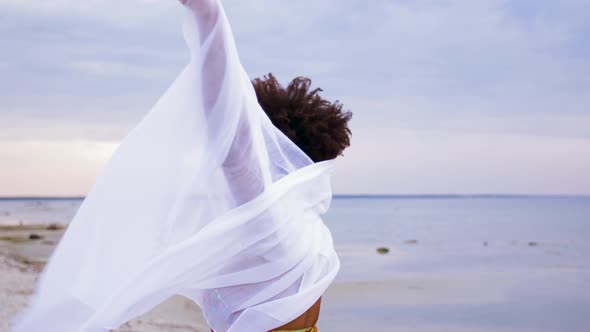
[
  {"x": 55, "y": 227},
  {"x": 383, "y": 250},
  {"x": 34, "y": 236}
]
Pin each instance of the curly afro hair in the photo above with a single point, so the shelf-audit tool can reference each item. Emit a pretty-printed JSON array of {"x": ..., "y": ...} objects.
[{"x": 315, "y": 125}]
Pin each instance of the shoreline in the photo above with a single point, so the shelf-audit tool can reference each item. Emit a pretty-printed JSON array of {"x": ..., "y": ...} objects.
[
  {"x": 18, "y": 277},
  {"x": 418, "y": 285},
  {"x": 25, "y": 249}
]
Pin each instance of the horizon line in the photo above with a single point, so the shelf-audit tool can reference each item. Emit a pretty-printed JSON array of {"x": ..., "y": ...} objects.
[{"x": 351, "y": 196}]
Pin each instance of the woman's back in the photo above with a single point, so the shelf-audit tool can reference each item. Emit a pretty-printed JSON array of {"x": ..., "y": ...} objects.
[{"x": 306, "y": 320}]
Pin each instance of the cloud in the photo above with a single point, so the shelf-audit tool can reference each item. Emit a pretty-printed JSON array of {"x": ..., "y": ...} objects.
[
  {"x": 402, "y": 161},
  {"x": 515, "y": 70},
  {"x": 121, "y": 13},
  {"x": 386, "y": 161},
  {"x": 41, "y": 168},
  {"x": 117, "y": 69}
]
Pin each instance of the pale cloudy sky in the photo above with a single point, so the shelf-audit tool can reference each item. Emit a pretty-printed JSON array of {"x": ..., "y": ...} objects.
[{"x": 449, "y": 96}]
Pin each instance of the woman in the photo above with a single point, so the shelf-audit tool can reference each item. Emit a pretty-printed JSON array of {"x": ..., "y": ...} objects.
[
  {"x": 319, "y": 128},
  {"x": 205, "y": 198}
]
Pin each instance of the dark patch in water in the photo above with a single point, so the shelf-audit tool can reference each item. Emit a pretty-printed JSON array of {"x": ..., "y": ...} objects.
[{"x": 383, "y": 250}]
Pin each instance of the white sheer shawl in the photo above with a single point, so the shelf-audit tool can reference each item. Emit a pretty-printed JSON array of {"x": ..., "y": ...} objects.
[{"x": 204, "y": 198}]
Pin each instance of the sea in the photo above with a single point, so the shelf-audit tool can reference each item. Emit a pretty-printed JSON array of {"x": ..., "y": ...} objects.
[
  {"x": 479, "y": 262},
  {"x": 440, "y": 231}
]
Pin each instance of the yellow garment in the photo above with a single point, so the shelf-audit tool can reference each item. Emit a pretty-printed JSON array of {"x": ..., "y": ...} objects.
[{"x": 310, "y": 329}]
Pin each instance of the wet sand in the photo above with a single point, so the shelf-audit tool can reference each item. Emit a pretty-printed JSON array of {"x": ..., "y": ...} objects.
[
  {"x": 18, "y": 278},
  {"x": 345, "y": 306},
  {"x": 415, "y": 286},
  {"x": 24, "y": 250}
]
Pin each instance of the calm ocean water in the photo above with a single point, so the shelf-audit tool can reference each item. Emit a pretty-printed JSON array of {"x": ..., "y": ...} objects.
[
  {"x": 461, "y": 234},
  {"x": 389, "y": 220},
  {"x": 395, "y": 220}
]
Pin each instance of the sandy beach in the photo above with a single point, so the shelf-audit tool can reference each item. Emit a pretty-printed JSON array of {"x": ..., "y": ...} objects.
[
  {"x": 23, "y": 253},
  {"x": 24, "y": 250},
  {"x": 413, "y": 302},
  {"x": 346, "y": 306},
  {"x": 18, "y": 278}
]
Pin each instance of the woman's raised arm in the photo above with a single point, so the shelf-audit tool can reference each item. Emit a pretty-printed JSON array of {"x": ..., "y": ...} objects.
[
  {"x": 224, "y": 86},
  {"x": 205, "y": 12}
]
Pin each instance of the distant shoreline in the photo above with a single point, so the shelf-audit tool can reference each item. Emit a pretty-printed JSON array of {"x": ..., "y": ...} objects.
[
  {"x": 444, "y": 196},
  {"x": 41, "y": 198},
  {"x": 342, "y": 196}
]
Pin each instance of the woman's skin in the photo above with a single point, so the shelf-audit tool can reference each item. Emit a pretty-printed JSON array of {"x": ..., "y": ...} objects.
[{"x": 307, "y": 319}]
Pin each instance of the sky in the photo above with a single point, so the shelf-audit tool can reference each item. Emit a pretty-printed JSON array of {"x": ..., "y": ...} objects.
[{"x": 448, "y": 96}]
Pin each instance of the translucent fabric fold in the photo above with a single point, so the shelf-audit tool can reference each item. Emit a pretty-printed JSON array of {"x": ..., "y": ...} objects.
[{"x": 204, "y": 198}]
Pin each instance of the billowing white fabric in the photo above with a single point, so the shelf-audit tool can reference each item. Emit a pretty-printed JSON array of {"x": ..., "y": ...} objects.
[{"x": 204, "y": 198}]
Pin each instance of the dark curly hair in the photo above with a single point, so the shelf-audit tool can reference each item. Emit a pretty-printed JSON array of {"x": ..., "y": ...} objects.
[{"x": 315, "y": 125}]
